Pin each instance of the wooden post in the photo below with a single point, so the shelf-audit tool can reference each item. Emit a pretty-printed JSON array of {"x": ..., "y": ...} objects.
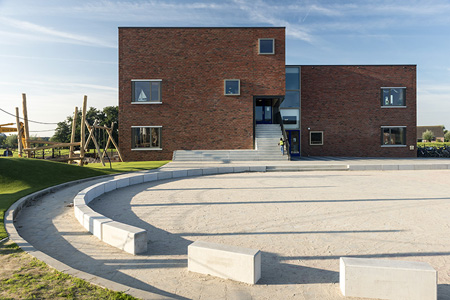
[
  {"x": 91, "y": 134},
  {"x": 83, "y": 131},
  {"x": 25, "y": 122},
  {"x": 19, "y": 133},
  {"x": 74, "y": 127},
  {"x": 109, "y": 140},
  {"x": 114, "y": 143}
]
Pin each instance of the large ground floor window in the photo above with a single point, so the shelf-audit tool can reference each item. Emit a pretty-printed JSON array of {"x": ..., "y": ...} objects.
[
  {"x": 146, "y": 137},
  {"x": 393, "y": 136}
]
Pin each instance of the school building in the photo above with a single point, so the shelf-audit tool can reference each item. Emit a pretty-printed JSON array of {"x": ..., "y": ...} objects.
[{"x": 201, "y": 91}]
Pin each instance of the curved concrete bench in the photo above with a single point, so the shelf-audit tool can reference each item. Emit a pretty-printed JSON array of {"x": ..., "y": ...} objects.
[{"x": 129, "y": 238}]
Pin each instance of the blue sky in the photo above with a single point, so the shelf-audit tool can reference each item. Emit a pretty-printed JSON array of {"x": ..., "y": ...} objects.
[{"x": 56, "y": 51}]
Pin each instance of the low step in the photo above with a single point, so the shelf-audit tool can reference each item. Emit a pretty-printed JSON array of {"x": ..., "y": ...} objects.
[{"x": 307, "y": 168}]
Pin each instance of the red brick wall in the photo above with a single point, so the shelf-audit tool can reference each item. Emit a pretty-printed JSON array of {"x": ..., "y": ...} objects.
[
  {"x": 193, "y": 63},
  {"x": 344, "y": 103}
]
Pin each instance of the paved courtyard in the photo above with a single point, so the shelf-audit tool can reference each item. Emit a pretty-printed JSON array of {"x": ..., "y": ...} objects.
[{"x": 301, "y": 221}]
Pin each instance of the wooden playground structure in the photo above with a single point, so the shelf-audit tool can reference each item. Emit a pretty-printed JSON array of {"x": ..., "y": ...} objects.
[{"x": 25, "y": 143}]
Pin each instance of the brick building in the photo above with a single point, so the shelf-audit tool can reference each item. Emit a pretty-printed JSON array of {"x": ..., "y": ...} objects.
[{"x": 208, "y": 88}]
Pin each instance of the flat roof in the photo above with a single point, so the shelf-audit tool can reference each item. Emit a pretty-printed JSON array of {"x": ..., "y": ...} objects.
[
  {"x": 204, "y": 27},
  {"x": 366, "y": 65}
]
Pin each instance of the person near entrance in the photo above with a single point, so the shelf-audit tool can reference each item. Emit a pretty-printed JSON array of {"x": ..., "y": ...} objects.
[{"x": 281, "y": 144}]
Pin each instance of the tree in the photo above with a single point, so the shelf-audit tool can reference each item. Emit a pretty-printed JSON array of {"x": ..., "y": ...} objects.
[
  {"x": 428, "y": 135},
  {"x": 11, "y": 141},
  {"x": 2, "y": 139},
  {"x": 447, "y": 136},
  {"x": 105, "y": 117}
]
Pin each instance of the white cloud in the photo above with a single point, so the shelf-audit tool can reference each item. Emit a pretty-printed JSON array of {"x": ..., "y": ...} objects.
[{"x": 31, "y": 31}]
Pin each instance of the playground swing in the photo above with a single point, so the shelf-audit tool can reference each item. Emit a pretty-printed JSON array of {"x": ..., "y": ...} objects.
[{"x": 24, "y": 141}]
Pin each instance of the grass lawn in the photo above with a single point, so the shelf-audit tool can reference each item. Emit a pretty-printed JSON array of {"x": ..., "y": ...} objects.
[{"x": 20, "y": 177}]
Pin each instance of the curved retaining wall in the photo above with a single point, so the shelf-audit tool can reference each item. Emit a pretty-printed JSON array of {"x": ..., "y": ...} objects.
[{"x": 129, "y": 238}]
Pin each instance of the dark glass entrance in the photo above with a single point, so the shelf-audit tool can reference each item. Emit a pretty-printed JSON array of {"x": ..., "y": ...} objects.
[
  {"x": 263, "y": 111},
  {"x": 294, "y": 142}
]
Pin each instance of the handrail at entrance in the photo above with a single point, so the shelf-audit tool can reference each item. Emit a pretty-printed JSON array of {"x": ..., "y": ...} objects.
[{"x": 279, "y": 119}]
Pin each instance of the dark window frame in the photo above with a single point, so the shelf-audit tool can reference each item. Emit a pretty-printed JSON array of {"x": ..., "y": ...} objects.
[
  {"x": 387, "y": 138},
  {"x": 151, "y": 146},
  {"x": 385, "y": 102},
  {"x": 313, "y": 143},
  {"x": 150, "y": 83},
  {"x": 273, "y": 46}
]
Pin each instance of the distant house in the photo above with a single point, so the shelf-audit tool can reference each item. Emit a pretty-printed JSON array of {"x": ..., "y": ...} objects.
[{"x": 437, "y": 130}]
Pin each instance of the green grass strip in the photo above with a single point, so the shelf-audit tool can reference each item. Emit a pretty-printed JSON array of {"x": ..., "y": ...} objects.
[{"x": 21, "y": 176}]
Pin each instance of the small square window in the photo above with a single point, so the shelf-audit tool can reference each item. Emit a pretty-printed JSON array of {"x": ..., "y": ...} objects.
[
  {"x": 146, "y": 91},
  {"x": 266, "y": 46},
  {"x": 232, "y": 87},
  {"x": 316, "y": 138},
  {"x": 393, "y": 96}
]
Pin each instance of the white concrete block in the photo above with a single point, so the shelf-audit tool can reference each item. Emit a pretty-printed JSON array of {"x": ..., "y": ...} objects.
[
  {"x": 79, "y": 199},
  {"x": 125, "y": 237},
  {"x": 229, "y": 262},
  {"x": 110, "y": 186},
  {"x": 122, "y": 182},
  {"x": 179, "y": 173},
  {"x": 195, "y": 172},
  {"x": 406, "y": 167},
  {"x": 93, "y": 222},
  {"x": 164, "y": 175},
  {"x": 150, "y": 177},
  {"x": 79, "y": 211},
  {"x": 224, "y": 170},
  {"x": 241, "y": 169},
  {"x": 210, "y": 171},
  {"x": 257, "y": 169},
  {"x": 387, "y": 279},
  {"x": 136, "y": 179},
  {"x": 389, "y": 167}
]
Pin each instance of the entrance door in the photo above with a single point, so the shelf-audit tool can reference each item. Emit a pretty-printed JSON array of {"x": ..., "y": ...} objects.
[
  {"x": 294, "y": 142},
  {"x": 263, "y": 111}
]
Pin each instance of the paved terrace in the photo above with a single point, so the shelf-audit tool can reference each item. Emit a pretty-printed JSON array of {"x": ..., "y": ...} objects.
[{"x": 301, "y": 221}]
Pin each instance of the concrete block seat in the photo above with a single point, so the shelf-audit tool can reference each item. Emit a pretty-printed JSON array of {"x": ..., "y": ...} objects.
[
  {"x": 387, "y": 279},
  {"x": 129, "y": 238},
  {"x": 225, "y": 261}
]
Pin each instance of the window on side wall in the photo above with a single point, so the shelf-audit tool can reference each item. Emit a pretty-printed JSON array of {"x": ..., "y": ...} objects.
[
  {"x": 316, "y": 138},
  {"x": 146, "y": 91},
  {"x": 393, "y": 136},
  {"x": 393, "y": 96},
  {"x": 266, "y": 46},
  {"x": 232, "y": 87},
  {"x": 146, "y": 138}
]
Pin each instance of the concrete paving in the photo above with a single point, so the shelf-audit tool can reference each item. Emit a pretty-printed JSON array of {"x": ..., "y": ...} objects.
[{"x": 301, "y": 221}]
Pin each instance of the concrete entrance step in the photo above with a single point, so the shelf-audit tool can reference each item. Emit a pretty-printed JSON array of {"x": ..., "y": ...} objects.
[{"x": 307, "y": 168}]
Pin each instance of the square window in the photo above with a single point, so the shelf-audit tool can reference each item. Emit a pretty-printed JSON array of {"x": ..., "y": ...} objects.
[
  {"x": 393, "y": 96},
  {"x": 232, "y": 87},
  {"x": 316, "y": 137},
  {"x": 146, "y": 91},
  {"x": 266, "y": 46},
  {"x": 147, "y": 137},
  {"x": 391, "y": 136}
]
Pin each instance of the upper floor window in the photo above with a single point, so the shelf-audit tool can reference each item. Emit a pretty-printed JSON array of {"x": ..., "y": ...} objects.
[
  {"x": 232, "y": 87},
  {"x": 266, "y": 46},
  {"x": 393, "y": 96},
  {"x": 146, "y": 91}
]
